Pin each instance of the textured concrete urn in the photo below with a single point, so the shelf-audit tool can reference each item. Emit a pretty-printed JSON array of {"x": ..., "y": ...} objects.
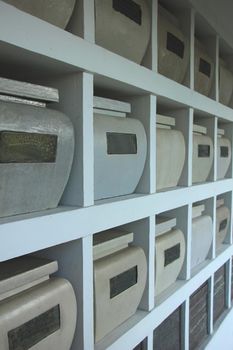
[
  {"x": 57, "y": 12},
  {"x": 203, "y": 154},
  {"x": 36, "y": 152},
  {"x": 120, "y": 273},
  {"x": 170, "y": 253},
  {"x": 225, "y": 83},
  {"x": 123, "y": 26},
  {"x": 36, "y": 312},
  {"x": 120, "y": 148},
  {"x": 222, "y": 223},
  {"x": 173, "y": 56},
  {"x": 170, "y": 152},
  {"x": 202, "y": 235},
  {"x": 224, "y": 154},
  {"x": 203, "y": 70}
]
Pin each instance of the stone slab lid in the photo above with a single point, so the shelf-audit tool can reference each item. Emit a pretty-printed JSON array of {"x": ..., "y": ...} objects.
[
  {"x": 221, "y": 132},
  {"x": 110, "y": 241},
  {"x": 220, "y": 202},
  {"x": 25, "y": 270},
  {"x": 197, "y": 210},
  {"x": 164, "y": 224},
  {"x": 28, "y": 91},
  {"x": 111, "y": 105},
  {"x": 199, "y": 129},
  {"x": 165, "y": 120}
]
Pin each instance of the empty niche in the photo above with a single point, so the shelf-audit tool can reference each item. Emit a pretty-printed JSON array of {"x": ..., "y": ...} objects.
[
  {"x": 219, "y": 293},
  {"x": 120, "y": 149},
  {"x": 203, "y": 150},
  {"x": 173, "y": 44},
  {"x": 202, "y": 233},
  {"x": 120, "y": 274},
  {"x": 170, "y": 251},
  {"x": 198, "y": 317},
  {"x": 168, "y": 335}
]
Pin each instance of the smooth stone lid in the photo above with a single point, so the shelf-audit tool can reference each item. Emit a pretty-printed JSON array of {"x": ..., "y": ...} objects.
[
  {"x": 221, "y": 132},
  {"x": 112, "y": 105},
  {"x": 220, "y": 202},
  {"x": 199, "y": 129},
  {"x": 27, "y": 90},
  {"x": 110, "y": 241},
  {"x": 197, "y": 210},
  {"x": 164, "y": 120},
  {"x": 164, "y": 224},
  {"x": 24, "y": 270}
]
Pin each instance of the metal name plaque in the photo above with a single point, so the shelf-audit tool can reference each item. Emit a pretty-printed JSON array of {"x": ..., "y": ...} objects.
[
  {"x": 175, "y": 45},
  {"x": 224, "y": 152},
  {"x": 204, "y": 67},
  {"x": 32, "y": 332},
  {"x": 128, "y": 8},
  {"x": 123, "y": 281},
  {"x": 203, "y": 151},
  {"x": 24, "y": 147},
  {"x": 171, "y": 254},
  {"x": 120, "y": 143},
  {"x": 223, "y": 225}
]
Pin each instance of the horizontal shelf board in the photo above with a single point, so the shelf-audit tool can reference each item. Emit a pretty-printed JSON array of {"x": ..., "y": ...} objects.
[
  {"x": 178, "y": 295},
  {"x": 50, "y": 228},
  {"x": 23, "y": 46}
]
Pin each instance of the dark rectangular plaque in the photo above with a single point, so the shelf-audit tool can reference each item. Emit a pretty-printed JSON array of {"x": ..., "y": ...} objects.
[
  {"x": 128, "y": 8},
  {"x": 203, "y": 151},
  {"x": 167, "y": 336},
  {"x": 198, "y": 317},
  {"x": 123, "y": 281},
  {"x": 120, "y": 143},
  {"x": 223, "y": 225},
  {"x": 224, "y": 152},
  {"x": 25, "y": 147},
  {"x": 32, "y": 332},
  {"x": 175, "y": 45},
  {"x": 205, "y": 67},
  {"x": 171, "y": 254},
  {"x": 219, "y": 292}
]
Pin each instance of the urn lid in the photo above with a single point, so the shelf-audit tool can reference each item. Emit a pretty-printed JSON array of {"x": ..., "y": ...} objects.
[
  {"x": 199, "y": 129},
  {"x": 165, "y": 122},
  {"x": 220, "y": 202},
  {"x": 164, "y": 224},
  {"x": 106, "y": 106},
  {"x": 197, "y": 210},
  {"x": 27, "y": 271},
  {"x": 24, "y": 90},
  {"x": 110, "y": 241}
]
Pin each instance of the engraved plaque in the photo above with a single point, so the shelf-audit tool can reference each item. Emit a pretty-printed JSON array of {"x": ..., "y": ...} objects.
[
  {"x": 219, "y": 292},
  {"x": 204, "y": 67},
  {"x": 32, "y": 332},
  {"x": 171, "y": 254},
  {"x": 128, "y": 8},
  {"x": 167, "y": 336},
  {"x": 198, "y": 317},
  {"x": 24, "y": 147},
  {"x": 119, "y": 143},
  {"x": 223, "y": 225},
  {"x": 203, "y": 151},
  {"x": 175, "y": 45},
  {"x": 123, "y": 281},
  {"x": 224, "y": 152}
]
